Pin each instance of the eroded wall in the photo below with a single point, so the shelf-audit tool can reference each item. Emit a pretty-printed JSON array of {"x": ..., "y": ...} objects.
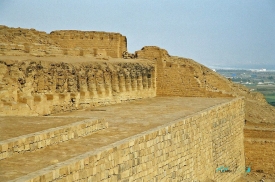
[
  {"x": 188, "y": 149},
  {"x": 45, "y": 87},
  {"x": 184, "y": 77},
  {"x": 22, "y": 42},
  {"x": 113, "y": 43}
]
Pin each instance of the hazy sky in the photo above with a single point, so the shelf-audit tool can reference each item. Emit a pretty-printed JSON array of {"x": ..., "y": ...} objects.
[{"x": 213, "y": 32}]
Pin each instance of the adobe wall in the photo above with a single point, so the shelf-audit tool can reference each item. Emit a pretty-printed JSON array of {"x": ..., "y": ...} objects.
[
  {"x": 113, "y": 43},
  {"x": 60, "y": 86},
  {"x": 184, "y": 77},
  {"x": 22, "y": 42},
  {"x": 193, "y": 148}
]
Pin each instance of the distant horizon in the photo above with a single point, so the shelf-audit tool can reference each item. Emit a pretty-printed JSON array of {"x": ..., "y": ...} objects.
[{"x": 244, "y": 67}]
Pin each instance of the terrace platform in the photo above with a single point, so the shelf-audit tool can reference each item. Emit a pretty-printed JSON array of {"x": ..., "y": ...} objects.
[{"x": 124, "y": 120}]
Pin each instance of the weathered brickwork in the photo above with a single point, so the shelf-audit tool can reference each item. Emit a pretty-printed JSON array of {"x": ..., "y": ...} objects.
[
  {"x": 21, "y": 42},
  {"x": 113, "y": 43},
  {"x": 188, "y": 149},
  {"x": 42, "y": 139},
  {"x": 60, "y": 86}
]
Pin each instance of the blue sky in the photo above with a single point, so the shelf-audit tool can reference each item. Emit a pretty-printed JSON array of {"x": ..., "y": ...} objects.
[{"x": 228, "y": 33}]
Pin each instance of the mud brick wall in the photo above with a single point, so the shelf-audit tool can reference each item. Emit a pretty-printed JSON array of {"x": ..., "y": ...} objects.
[
  {"x": 184, "y": 77},
  {"x": 187, "y": 149},
  {"x": 58, "y": 86},
  {"x": 113, "y": 43},
  {"x": 21, "y": 36},
  {"x": 22, "y": 42},
  {"x": 33, "y": 49},
  {"x": 260, "y": 149}
]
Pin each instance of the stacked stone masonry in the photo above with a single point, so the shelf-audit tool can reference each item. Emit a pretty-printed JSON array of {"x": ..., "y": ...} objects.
[
  {"x": 187, "y": 149},
  {"x": 42, "y": 139}
]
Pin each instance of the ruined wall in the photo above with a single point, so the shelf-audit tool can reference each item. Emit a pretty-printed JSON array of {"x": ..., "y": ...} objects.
[
  {"x": 184, "y": 77},
  {"x": 188, "y": 149},
  {"x": 21, "y": 42},
  {"x": 113, "y": 43},
  {"x": 46, "y": 87}
]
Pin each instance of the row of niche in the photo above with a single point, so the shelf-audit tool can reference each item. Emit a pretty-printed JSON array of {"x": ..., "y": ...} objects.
[{"x": 65, "y": 78}]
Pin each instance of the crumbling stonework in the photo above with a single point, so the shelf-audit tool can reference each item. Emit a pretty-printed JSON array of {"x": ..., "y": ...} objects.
[
  {"x": 86, "y": 42},
  {"x": 60, "y": 86},
  {"x": 22, "y": 42},
  {"x": 127, "y": 55}
]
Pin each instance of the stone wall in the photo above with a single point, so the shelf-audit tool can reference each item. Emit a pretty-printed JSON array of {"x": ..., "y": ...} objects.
[
  {"x": 59, "y": 86},
  {"x": 194, "y": 148}
]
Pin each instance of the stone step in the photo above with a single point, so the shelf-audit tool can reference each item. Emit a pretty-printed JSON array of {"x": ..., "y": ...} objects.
[{"x": 52, "y": 136}]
